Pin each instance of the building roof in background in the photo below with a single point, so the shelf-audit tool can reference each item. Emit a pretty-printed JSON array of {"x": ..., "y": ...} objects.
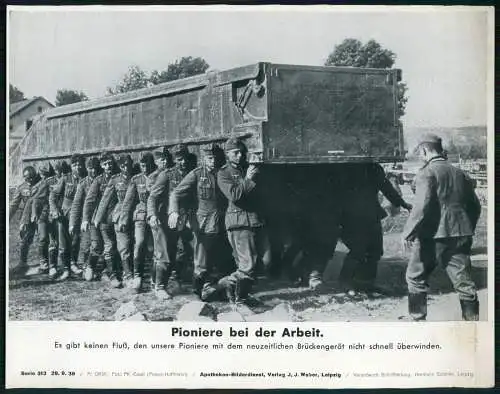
[{"x": 14, "y": 108}]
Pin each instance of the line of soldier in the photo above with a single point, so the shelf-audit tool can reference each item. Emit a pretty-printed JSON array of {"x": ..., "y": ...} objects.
[{"x": 121, "y": 217}]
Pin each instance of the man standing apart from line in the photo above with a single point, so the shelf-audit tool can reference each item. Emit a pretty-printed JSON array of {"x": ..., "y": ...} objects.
[
  {"x": 90, "y": 254},
  {"x": 244, "y": 225},
  {"x": 439, "y": 230},
  {"x": 208, "y": 227}
]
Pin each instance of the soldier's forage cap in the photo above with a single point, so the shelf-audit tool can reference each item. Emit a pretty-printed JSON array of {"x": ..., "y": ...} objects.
[
  {"x": 76, "y": 158},
  {"x": 147, "y": 158},
  {"x": 428, "y": 138},
  {"x": 233, "y": 143},
  {"x": 209, "y": 149},
  {"x": 93, "y": 162},
  {"x": 124, "y": 160},
  {"x": 160, "y": 154},
  {"x": 181, "y": 150},
  {"x": 106, "y": 157}
]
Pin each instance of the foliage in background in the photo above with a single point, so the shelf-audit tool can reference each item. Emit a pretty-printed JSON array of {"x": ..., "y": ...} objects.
[
  {"x": 15, "y": 94},
  {"x": 136, "y": 78},
  {"x": 183, "y": 68},
  {"x": 69, "y": 96}
]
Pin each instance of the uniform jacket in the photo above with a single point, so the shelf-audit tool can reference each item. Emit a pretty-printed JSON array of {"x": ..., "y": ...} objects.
[
  {"x": 243, "y": 207},
  {"x": 445, "y": 203},
  {"x": 62, "y": 195},
  {"x": 93, "y": 197},
  {"x": 109, "y": 209},
  {"x": 75, "y": 216},
  {"x": 40, "y": 204},
  {"x": 165, "y": 183},
  {"x": 360, "y": 188},
  {"x": 200, "y": 185},
  {"x": 134, "y": 207},
  {"x": 22, "y": 198}
]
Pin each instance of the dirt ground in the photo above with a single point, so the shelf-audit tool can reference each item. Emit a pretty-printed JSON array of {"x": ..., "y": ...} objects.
[{"x": 37, "y": 298}]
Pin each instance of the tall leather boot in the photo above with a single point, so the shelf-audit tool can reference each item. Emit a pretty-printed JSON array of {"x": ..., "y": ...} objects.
[
  {"x": 198, "y": 281},
  {"x": 89, "y": 263},
  {"x": 137, "y": 281},
  {"x": 417, "y": 306},
  {"x": 470, "y": 310}
]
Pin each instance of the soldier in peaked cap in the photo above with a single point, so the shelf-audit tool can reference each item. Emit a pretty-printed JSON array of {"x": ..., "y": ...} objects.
[
  {"x": 90, "y": 255},
  {"x": 60, "y": 202},
  {"x": 134, "y": 210},
  {"x": 243, "y": 221},
  {"x": 117, "y": 238},
  {"x": 439, "y": 230},
  {"x": 200, "y": 186}
]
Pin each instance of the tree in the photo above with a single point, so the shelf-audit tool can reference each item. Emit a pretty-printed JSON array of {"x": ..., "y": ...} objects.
[
  {"x": 15, "y": 94},
  {"x": 353, "y": 53},
  {"x": 183, "y": 68},
  {"x": 68, "y": 96},
  {"x": 134, "y": 79}
]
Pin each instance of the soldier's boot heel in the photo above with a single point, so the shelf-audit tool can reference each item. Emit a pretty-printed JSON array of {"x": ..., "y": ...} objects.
[
  {"x": 470, "y": 310},
  {"x": 417, "y": 306}
]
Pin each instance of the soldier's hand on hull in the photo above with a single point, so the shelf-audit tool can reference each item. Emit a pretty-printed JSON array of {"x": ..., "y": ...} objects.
[
  {"x": 85, "y": 226},
  {"x": 153, "y": 221},
  {"x": 96, "y": 224},
  {"x": 252, "y": 171},
  {"x": 173, "y": 220},
  {"x": 71, "y": 230}
]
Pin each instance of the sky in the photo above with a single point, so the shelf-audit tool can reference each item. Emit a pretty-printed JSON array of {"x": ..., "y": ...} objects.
[{"x": 445, "y": 52}]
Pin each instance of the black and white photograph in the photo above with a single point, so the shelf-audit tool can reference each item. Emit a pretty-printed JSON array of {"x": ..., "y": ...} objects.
[{"x": 244, "y": 164}]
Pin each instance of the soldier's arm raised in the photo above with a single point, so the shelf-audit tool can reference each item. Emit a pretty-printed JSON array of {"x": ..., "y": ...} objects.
[{"x": 234, "y": 189}]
